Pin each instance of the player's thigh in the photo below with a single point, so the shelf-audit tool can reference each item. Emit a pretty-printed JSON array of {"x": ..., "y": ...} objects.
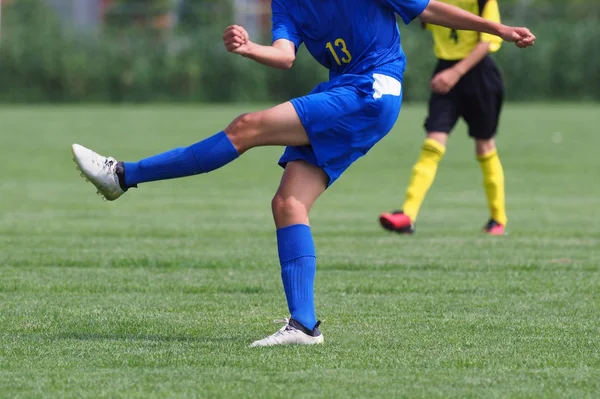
[
  {"x": 301, "y": 184},
  {"x": 443, "y": 112},
  {"x": 279, "y": 125},
  {"x": 482, "y": 113},
  {"x": 482, "y": 99},
  {"x": 329, "y": 109}
]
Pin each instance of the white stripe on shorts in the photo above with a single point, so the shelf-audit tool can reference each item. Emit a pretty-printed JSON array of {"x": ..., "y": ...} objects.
[{"x": 385, "y": 85}]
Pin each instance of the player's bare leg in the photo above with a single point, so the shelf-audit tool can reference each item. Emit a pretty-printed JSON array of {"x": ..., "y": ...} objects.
[
  {"x": 483, "y": 147},
  {"x": 279, "y": 125},
  {"x": 440, "y": 137},
  {"x": 493, "y": 181},
  {"x": 301, "y": 184},
  {"x": 423, "y": 175}
]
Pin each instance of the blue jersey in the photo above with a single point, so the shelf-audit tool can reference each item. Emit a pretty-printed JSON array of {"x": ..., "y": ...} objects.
[{"x": 348, "y": 36}]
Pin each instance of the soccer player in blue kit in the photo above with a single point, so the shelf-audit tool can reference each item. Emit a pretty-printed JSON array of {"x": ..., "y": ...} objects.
[{"x": 324, "y": 132}]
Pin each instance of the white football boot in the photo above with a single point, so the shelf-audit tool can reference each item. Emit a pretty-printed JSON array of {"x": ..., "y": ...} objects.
[
  {"x": 98, "y": 170},
  {"x": 293, "y": 333}
]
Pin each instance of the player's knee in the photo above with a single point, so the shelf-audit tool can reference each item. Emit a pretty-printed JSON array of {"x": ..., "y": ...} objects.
[
  {"x": 440, "y": 137},
  {"x": 287, "y": 208},
  {"x": 243, "y": 130},
  {"x": 484, "y": 147}
]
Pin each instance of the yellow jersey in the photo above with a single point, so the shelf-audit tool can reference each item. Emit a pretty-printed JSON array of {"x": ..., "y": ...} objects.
[{"x": 451, "y": 44}]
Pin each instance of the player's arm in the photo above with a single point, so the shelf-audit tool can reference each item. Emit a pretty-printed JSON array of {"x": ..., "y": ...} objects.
[
  {"x": 466, "y": 64},
  {"x": 438, "y": 13},
  {"x": 281, "y": 54},
  {"x": 487, "y": 44},
  {"x": 445, "y": 80}
]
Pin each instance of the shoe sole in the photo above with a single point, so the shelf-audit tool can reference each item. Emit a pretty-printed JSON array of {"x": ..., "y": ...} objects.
[
  {"x": 315, "y": 342},
  {"x": 488, "y": 233},
  {"x": 389, "y": 226},
  {"x": 78, "y": 167}
]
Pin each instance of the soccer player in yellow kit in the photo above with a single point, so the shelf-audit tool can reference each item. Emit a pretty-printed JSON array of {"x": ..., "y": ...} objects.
[{"x": 467, "y": 84}]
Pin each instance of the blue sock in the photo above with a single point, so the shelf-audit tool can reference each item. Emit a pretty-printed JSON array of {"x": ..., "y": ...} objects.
[
  {"x": 298, "y": 268},
  {"x": 203, "y": 157}
]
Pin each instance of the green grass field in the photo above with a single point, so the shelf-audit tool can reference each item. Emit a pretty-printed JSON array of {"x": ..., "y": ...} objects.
[{"x": 160, "y": 293}]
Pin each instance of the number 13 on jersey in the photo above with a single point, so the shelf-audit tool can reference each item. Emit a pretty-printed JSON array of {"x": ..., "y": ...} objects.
[{"x": 340, "y": 45}]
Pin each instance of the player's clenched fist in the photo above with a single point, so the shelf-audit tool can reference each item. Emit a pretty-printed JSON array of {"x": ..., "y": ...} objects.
[
  {"x": 522, "y": 37},
  {"x": 236, "y": 39}
]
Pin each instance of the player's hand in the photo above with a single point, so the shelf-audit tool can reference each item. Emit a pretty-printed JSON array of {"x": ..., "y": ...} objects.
[
  {"x": 236, "y": 40},
  {"x": 522, "y": 37},
  {"x": 444, "y": 81}
]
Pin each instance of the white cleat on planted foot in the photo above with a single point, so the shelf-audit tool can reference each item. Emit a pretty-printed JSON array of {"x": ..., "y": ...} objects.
[
  {"x": 293, "y": 333},
  {"x": 98, "y": 170}
]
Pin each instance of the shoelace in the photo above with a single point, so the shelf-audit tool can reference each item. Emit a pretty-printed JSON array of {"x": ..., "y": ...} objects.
[
  {"x": 283, "y": 329},
  {"x": 106, "y": 163},
  {"x": 110, "y": 163}
]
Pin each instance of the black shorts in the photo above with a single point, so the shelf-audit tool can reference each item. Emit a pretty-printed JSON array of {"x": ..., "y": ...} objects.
[{"x": 477, "y": 97}]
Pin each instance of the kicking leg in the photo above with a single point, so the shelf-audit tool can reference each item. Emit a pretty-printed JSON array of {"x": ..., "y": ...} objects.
[
  {"x": 301, "y": 185},
  {"x": 279, "y": 125}
]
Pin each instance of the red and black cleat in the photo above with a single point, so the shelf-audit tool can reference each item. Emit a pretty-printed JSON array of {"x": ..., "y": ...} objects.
[
  {"x": 398, "y": 222},
  {"x": 494, "y": 228}
]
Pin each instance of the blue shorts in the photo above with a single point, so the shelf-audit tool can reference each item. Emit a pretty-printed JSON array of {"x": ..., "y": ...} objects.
[{"x": 344, "y": 118}]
